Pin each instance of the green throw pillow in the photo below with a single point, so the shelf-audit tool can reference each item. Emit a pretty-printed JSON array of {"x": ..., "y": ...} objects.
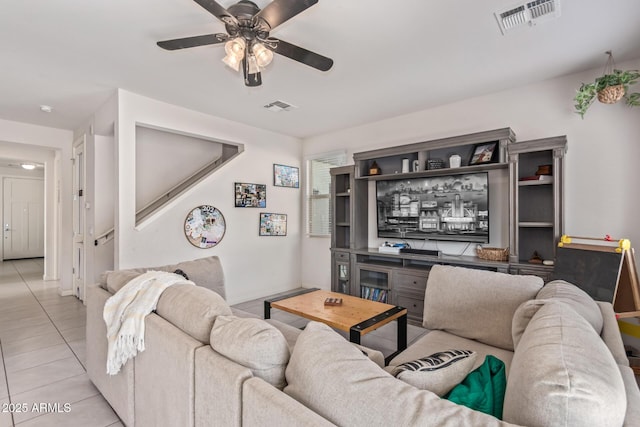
[{"x": 483, "y": 389}]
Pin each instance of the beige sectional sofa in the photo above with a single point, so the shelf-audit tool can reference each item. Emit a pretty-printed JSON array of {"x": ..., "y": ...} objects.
[{"x": 206, "y": 364}]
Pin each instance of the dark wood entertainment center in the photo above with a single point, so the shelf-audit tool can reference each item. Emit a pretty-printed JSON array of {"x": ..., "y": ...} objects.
[{"x": 535, "y": 213}]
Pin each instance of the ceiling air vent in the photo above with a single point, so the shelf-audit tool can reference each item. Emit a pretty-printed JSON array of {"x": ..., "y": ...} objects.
[
  {"x": 531, "y": 13},
  {"x": 279, "y": 106}
]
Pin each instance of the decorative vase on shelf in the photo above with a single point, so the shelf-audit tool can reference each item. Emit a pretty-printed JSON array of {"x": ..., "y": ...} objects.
[
  {"x": 405, "y": 165},
  {"x": 454, "y": 161}
]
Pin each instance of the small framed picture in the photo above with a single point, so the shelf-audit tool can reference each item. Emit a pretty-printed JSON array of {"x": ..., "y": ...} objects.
[
  {"x": 486, "y": 152},
  {"x": 273, "y": 224},
  {"x": 250, "y": 195},
  {"x": 286, "y": 176}
]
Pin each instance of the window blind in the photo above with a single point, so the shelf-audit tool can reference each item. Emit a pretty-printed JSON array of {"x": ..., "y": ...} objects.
[{"x": 318, "y": 191}]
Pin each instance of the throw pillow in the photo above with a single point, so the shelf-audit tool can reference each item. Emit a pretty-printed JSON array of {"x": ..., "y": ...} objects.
[
  {"x": 562, "y": 373},
  {"x": 182, "y": 273},
  {"x": 522, "y": 317},
  {"x": 483, "y": 389},
  {"x": 192, "y": 309},
  {"x": 252, "y": 343},
  {"x": 439, "y": 372},
  {"x": 576, "y": 298}
]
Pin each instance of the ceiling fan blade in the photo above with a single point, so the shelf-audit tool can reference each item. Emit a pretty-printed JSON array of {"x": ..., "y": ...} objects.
[
  {"x": 279, "y": 11},
  {"x": 218, "y": 11},
  {"x": 250, "y": 79},
  {"x": 302, "y": 55},
  {"x": 193, "y": 41}
]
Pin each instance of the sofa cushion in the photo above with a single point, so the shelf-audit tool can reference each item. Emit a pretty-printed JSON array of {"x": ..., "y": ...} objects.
[
  {"x": 563, "y": 374},
  {"x": 332, "y": 377},
  {"x": 476, "y": 304},
  {"x": 117, "y": 279},
  {"x": 440, "y": 340},
  {"x": 252, "y": 343},
  {"x": 192, "y": 309},
  {"x": 576, "y": 298},
  {"x": 439, "y": 372},
  {"x": 204, "y": 272}
]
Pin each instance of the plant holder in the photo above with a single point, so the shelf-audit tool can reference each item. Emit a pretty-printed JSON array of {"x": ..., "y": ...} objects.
[
  {"x": 611, "y": 87},
  {"x": 611, "y": 94}
]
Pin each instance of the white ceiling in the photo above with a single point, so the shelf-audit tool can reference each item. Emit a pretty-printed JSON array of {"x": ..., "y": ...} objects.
[{"x": 391, "y": 58}]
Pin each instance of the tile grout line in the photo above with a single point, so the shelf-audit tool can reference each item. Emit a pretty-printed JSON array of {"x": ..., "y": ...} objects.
[
  {"x": 50, "y": 319},
  {"x": 4, "y": 367},
  {"x": 44, "y": 413}
]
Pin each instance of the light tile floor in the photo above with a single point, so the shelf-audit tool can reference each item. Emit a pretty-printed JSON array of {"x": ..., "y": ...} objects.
[{"x": 42, "y": 348}]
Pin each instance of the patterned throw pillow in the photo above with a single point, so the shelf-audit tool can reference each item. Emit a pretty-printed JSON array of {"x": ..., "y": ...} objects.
[{"x": 439, "y": 372}]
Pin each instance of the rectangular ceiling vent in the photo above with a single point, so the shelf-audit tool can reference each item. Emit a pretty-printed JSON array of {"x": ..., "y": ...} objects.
[
  {"x": 279, "y": 106},
  {"x": 531, "y": 13}
]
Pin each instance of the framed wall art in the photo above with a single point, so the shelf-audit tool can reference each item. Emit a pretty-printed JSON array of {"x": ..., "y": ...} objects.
[
  {"x": 487, "y": 152},
  {"x": 273, "y": 224},
  {"x": 204, "y": 226},
  {"x": 250, "y": 195},
  {"x": 286, "y": 176}
]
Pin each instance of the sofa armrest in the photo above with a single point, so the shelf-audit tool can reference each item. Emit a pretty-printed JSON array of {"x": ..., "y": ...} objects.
[
  {"x": 218, "y": 389},
  {"x": 118, "y": 389},
  {"x": 611, "y": 333},
  {"x": 263, "y": 405}
]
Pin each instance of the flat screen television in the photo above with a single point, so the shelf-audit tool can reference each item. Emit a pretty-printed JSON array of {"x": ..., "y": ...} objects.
[{"x": 449, "y": 207}]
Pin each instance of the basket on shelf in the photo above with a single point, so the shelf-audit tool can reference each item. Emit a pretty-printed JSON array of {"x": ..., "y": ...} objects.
[{"x": 493, "y": 254}]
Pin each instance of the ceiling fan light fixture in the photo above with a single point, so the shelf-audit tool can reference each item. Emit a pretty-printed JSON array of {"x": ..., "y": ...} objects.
[
  {"x": 263, "y": 55},
  {"x": 232, "y": 61},
  {"x": 235, "y": 47}
]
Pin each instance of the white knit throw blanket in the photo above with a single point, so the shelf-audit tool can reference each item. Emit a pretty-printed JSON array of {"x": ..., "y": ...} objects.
[{"x": 125, "y": 311}]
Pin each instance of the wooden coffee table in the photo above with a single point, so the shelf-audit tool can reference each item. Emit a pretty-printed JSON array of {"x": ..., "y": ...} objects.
[{"x": 357, "y": 316}]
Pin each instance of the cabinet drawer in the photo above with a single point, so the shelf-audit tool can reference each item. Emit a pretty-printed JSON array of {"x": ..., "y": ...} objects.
[
  {"x": 341, "y": 256},
  {"x": 414, "y": 305},
  {"x": 545, "y": 274},
  {"x": 412, "y": 282}
]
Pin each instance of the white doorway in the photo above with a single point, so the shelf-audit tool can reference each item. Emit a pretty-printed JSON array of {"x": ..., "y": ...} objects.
[
  {"x": 79, "y": 218},
  {"x": 23, "y": 218}
]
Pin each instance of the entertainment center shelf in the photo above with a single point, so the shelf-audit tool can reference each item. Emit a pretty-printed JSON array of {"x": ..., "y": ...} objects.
[
  {"x": 527, "y": 175},
  {"x": 436, "y": 172},
  {"x": 419, "y": 155},
  {"x": 373, "y": 256}
]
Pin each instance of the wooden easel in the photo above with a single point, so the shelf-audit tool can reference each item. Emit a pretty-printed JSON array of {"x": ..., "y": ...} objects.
[{"x": 626, "y": 289}]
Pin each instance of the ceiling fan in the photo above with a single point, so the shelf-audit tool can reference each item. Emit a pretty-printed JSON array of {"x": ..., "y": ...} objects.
[{"x": 247, "y": 42}]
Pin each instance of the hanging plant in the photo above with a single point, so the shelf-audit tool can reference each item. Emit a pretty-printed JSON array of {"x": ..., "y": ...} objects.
[{"x": 610, "y": 88}]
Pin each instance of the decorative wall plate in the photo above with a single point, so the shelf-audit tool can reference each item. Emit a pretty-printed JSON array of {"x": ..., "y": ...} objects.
[{"x": 204, "y": 226}]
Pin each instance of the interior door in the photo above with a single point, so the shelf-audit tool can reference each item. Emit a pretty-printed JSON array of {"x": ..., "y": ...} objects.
[
  {"x": 23, "y": 218},
  {"x": 79, "y": 219}
]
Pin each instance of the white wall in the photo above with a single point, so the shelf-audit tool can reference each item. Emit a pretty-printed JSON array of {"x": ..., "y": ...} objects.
[
  {"x": 158, "y": 152},
  {"x": 53, "y": 148},
  {"x": 254, "y": 266},
  {"x": 601, "y": 163}
]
